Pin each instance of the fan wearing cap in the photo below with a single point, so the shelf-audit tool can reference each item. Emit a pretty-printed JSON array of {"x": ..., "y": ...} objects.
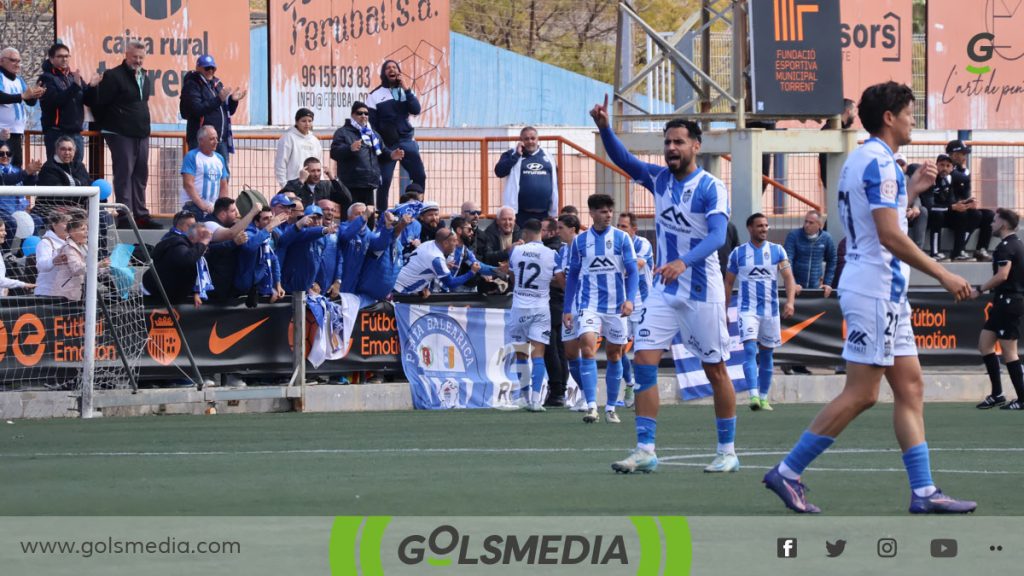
[
  {"x": 298, "y": 143},
  {"x": 965, "y": 213},
  {"x": 300, "y": 250},
  {"x": 206, "y": 101}
]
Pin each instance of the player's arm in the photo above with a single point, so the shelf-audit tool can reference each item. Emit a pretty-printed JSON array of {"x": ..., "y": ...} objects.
[
  {"x": 636, "y": 168},
  {"x": 922, "y": 181},
  {"x": 730, "y": 279},
  {"x": 1002, "y": 275},
  {"x": 787, "y": 277},
  {"x": 632, "y": 279},
  {"x": 717, "y": 224},
  {"x": 889, "y": 234},
  {"x": 571, "y": 282}
]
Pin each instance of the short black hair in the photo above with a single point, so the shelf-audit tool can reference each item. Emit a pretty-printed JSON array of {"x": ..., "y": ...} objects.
[
  {"x": 531, "y": 225},
  {"x": 569, "y": 209},
  {"x": 551, "y": 221},
  {"x": 570, "y": 221},
  {"x": 182, "y": 215},
  {"x": 754, "y": 216},
  {"x": 222, "y": 204},
  {"x": 55, "y": 47},
  {"x": 358, "y": 105},
  {"x": 631, "y": 216},
  {"x": 599, "y": 201},
  {"x": 311, "y": 160},
  {"x": 879, "y": 99},
  {"x": 457, "y": 222},
  {"x": 692, "y": 128},
  {"x": 1009, "y": 216}
]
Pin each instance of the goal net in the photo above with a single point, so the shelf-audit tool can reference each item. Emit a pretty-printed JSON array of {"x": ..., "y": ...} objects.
[{"x": 69, "y": 275}]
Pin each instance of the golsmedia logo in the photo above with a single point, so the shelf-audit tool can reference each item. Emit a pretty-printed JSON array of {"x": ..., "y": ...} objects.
[{"x": 380, "y": 545}]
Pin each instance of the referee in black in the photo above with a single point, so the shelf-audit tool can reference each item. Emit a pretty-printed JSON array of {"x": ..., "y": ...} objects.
[{"x": 1003, "y": 324}]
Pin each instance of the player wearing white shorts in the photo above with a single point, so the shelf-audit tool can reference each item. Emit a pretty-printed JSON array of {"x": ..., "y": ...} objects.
[
  {"x": 531, "y": 266},
  {"x": 691, "y": 217},
  {"x": 602, "y": 279},
  {"x": 873, "y": 199},
  {"x": 568, "y": 227},
  {"x": 756, "y": 266},
  {"x": 645, "y": 264}
]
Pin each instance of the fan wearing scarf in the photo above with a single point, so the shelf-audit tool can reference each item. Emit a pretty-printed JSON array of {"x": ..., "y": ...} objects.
[
  {"x": 179, "y": 260},
  {"x": 390, "y": 106},
  {"x": 360, "y": 153}
]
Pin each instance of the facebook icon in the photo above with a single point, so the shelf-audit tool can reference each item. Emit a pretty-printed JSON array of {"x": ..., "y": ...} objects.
[{"x": 786, "y": 547}]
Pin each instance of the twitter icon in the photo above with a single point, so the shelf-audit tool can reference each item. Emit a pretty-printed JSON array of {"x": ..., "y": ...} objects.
[{"x": 835, "y": 549}]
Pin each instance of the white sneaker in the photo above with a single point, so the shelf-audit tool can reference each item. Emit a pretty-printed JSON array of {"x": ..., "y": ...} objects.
[
  {"x": 611, "y": 417},
  {"x": 629, "y": 397},
  {"x": 535, "y": 407},
  {"x": 591, "y": 416},
  {"x": 638, "y": 461},
  {"x": 724, "y": 463}
]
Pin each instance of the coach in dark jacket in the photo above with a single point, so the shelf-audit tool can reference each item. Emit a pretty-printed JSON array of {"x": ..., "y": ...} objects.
[
  {"x": 205, "y": 101},
  {"x": 62, "y": 105},
  {"x": 122, "y": 107},
  {"x": 175, "y": 259},
  {"x": 359, "y": 152}
]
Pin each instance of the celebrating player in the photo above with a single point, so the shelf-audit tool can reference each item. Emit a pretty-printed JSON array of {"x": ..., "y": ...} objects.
[
  {"x": 873, "y": 199},
  {"x": 602, "y": 265},
  {"x": 756, "y": 265},
  {"x": 531, "y": 265},
  {"x": 691, "y": 217}
]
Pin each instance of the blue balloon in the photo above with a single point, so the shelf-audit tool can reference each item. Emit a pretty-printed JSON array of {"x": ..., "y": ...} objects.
[
  {"x": 105, "y": 188},
  {"x": 28, "y": 245}
]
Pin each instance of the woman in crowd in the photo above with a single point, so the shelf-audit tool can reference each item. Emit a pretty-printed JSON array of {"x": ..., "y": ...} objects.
[
  {"x": 48, "y": 253},
  {"x": 297, "y": 144}
]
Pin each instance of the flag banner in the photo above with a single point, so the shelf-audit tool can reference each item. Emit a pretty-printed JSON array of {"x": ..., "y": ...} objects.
[
  {"x": 693, "y": 383},
  {"x": 457, "y": 356}
]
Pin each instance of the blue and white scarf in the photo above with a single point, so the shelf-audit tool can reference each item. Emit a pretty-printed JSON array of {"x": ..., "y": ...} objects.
[
  {"x": 204, "y": 282},
  {"x": 369, "y": 136}
]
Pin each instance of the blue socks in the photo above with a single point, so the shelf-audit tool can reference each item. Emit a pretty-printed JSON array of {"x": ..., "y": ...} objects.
[
  {"x": 523, "y": 372},
  {"x": 574, "y": 370},
  {"x": 765, "y": 365},
  {"x": 750, "y": 364},
  {"x": 627, "y": 369},
  {"x": 588, "y": 380},
  {"x": 537, "y": 376},
  {"x": 646, "y": 377},
  {"x": 809, "y": 447},
  {"x": 726, "y": 434},
  {"x": 613, "y": 382},
  {"x": 646, "y": 430},
  {"x": 918, "y": 466}
]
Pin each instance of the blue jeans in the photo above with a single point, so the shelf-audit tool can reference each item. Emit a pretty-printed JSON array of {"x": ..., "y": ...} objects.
[{"x": 411, "y": 163}]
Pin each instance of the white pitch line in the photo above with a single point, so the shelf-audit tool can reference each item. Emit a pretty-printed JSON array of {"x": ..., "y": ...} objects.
[{"x": 900, "y": 470}]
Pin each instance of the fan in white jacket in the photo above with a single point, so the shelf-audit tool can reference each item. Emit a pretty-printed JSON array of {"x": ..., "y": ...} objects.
[
  {"x": 47, "y": 254},
  {"x": 297, "y": 144}
]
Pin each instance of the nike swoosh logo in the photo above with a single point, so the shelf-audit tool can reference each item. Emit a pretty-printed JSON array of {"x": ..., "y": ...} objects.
[
  {"x": 791, "y": 332},
  {"x": 221, "y": 344}
]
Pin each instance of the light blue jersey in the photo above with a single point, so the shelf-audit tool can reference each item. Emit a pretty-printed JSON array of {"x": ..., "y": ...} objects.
[
  {"x": 207, "y": 172},
  {"x": 600, "y": 260},
  {"x": 757, "y": 271}
]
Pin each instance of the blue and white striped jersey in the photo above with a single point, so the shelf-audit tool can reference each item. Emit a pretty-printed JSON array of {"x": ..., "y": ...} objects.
[
  {"x": 871, "y": 180},
  {"x": 424, "y": 266},
  {"x": 757, "y": 269},
  {"x": 644, "y": 251},
  {"x": 599, "y": 260},
  {"x": 562, "y": 265}
]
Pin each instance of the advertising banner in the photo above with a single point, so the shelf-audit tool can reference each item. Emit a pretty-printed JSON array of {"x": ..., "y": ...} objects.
[
  {"x": 327, "y": 54},
  {"x": 975, "y": 65},
  {"x": 795, "y": 58},
  {"x": 876, "y": 39},
  {"x": 175, "y": 32}
]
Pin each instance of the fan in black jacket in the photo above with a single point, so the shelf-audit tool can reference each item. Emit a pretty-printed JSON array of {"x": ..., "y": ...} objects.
[
  {"x": 62, "y": 105},
  {"x": 175, "y": 258},
  {"x": 206, "y": 101}
]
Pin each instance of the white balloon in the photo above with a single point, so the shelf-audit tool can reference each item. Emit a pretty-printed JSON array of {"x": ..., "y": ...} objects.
[{"x": 26, "y": 226}]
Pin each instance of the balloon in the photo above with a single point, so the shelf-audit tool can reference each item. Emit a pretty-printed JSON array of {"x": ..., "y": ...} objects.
[
  {"x": 28, "y": 245},
  {"x": 26, "y": 226},
  {"x": 105, "y": 188}
]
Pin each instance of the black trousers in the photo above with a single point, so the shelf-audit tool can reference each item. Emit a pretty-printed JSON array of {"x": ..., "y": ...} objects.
[
  {"x": 554, "y": 354},
  {"x": 364, "y": 195},
  {"x": 962, "y": 224},
  {"x": 129, "y": 158}
]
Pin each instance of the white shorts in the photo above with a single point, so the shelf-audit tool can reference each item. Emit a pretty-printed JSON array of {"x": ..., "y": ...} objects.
[
  {"x": 877, "y": 330},
  {"x": 634, "y": 320},
  {"x": 767, "y": 330},
  {"x": 614, "y": 328},
  {"x": 702, "y": 324},
  {"x": 570, "y": 334},
  {"x": 530, "y": 325}
]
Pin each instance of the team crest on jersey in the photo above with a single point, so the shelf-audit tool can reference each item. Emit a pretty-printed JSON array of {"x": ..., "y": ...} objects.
[
  {"x": 890, "y": 189},
  {"x": 608, "y": 243},
  {"x": 687, "y": 195}
]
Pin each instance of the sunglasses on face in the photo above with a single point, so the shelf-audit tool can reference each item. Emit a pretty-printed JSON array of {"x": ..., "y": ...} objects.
[
  {"x": 5, "y": 154},
  {"x": 363, "y": 113},
  {"x": 473, "y": 212},
  {"x": 209, "y": 68}
]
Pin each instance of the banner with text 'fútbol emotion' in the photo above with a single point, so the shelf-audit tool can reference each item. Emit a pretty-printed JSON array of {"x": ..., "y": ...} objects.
[
  {"x": 327, "y": 54},
  {"x": 876, "y": 38},
  {"x": 176, "y": 33},
  {"x": 975, "y": 65},
  {"x": 796, "y": 57}
]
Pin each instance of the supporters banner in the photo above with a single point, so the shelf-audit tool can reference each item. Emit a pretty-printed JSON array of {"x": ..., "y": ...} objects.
[
  {"x": 877, "y": 40},
  {"x": 446, "y": 366},
  {"x": 175, "y": 32},
  {"x": 693, "y": 383},
  {"x": 796, "y": 57},
  {"x": 326, "y": 54},
  {"x": 975, "y": 65}
]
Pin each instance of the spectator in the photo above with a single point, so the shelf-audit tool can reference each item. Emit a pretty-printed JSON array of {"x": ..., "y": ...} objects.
[
  {"x": 356, "y": 239},
  {"x": 227, "y": 235},
  {"x": 379, "y": 270},
  {"x": 5, "y": 282},
  {"x": 429, "y": 221},
  {"x": 917, "y": 213},
  {"x": 531, "y": 185},
  {"x": 206, "y": 101},
  {"x": 390, "y": 106},
  {"x": 807, "y": 248},
  {"x": 328, "y": 277},
  {"x": 463, "y": 259},
  {"x": 258, "y": 272},
  {"x": 121, "y": 105},
  {"x": 282, "y": 204},
  {"x": 11, "y": 175},
  {"x": 965, "y": 212},
  {"x": 497, "y": 240},
  {"x": 569, "y": 209},
  {"x": 331, "y": 210},
  {"x": 62, "y": 106},
  {"x": 845, "y": 121},
  {"x": 62, "y": 170},
  {"x": 428, "y": 264},
  {"x": 70, "y": 270},
  {"x": 204, "y": 175},
  {"x": 15, "y": 94},
  {"x": 361, "y": 155},
  {"x": 297, "y": 144},
  {"x": 413, "y": 192},
  {"x": 301, "y": 252},
  {"x": 315, "y": 184},
  {"x": 471, "y": 212},
  {"x": 732, "y": 240},
  {"x": 179, "y": 261},
  {"x": 48, "y": 252}
]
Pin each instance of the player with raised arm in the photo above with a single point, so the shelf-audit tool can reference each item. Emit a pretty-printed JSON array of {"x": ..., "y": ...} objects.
[
  {"x": 602, "y": 266},
  {"x": 873, "y": 199},
  {"x": 531, "y": 266},
  {"x": 691, "y": 217},
  {"x": 757, "y": 265}
]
